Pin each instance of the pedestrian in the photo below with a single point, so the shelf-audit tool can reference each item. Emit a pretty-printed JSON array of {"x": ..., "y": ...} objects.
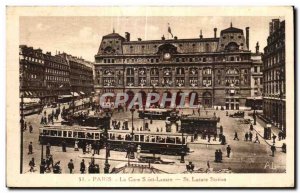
[
  {"x": 30, "y": 128},
  {"x": 87, "y": 148},
  {"x": 221, "y": 129},
  {"x": 251, "y": 127},
  {"x": 208, "y": 136},
  {"x": 48, "y": 146},
  {"x": 274, "y": 137},
  {"x": 93, "y": 159},
  {"x": 216, "y": 156},
  {"x": 236, "y": 136},
  {"x": 256, "y": 139},
  {"x": 25, "y": 126},
  {"x": 83, "y": 147},
  {"x": 32, "y": 165},
  {"x": 220, "y": 155},
  {"x": 64, "y": 146},
  {"x": 107, "y": 150},
  {"x": 71, "y": 166},
  {"x": 30, "y": 148},
  {"x": 76, "y": 145},
  {"x": 48, "y": 162},
  {"x": 82, "y": 167},
  {"x": 43, "y": 166},
  {"x": 90, "y": 148},
  {"x": 228, "y": 151},
  {"x": 246, "y": 136},
  {"x": 138, "y": 151},
  {"x": 98, "y": 147},
  {"x": 215, "y": 137},
  {"x": 193, "y": 111},
  {"x": 250, "y": 136},
  {"x": 56, "y": 168},
  {"x": 273, "y": 149}
]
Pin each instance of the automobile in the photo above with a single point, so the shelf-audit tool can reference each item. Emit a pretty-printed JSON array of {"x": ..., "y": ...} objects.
[
  {"x": 154, "y": 160},
  {"x": 53, "y": 105},
  {"x": 239, "y": 114}
]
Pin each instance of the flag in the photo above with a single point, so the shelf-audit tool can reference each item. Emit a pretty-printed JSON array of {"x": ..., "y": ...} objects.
[{"x": 169, "y": 30}]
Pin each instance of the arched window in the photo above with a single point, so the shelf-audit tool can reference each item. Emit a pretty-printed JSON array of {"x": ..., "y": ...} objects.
[
  {"x": 129, "y": 71},
  {"x": 206, "y": 71},
  {"x": 232, "y": 71}
]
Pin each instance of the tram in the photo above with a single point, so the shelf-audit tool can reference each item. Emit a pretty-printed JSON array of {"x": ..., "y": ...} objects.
[
  {"x": 156, "y": 143},
  {"x": 119, "y": 140},
  {"x": 199, "y": 125},
  {"x": 155, "y": 113},
  {"x": 56, "y": 134},
  {"x": 31, "y": 108}
]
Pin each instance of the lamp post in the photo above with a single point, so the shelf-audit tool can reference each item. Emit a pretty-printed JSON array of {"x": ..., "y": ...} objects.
[
  {"x": 21, "y": 135},
  {"x": 182, "y": 153},
  {"x": 132, "y": 113},
  {"x": 42, "y": 156},
  {"x": 106, "y": 165}
]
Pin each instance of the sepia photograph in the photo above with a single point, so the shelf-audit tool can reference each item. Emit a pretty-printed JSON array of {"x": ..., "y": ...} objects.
[{"x": 150, "y": 97}]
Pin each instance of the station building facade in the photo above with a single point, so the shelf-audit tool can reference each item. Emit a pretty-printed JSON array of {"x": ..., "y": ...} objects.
[
  {"x": 216, "y": 69},
  {"x": 274, "y": 106}
]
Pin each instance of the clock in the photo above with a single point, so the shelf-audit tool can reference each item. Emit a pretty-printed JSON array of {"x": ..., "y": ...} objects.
[{"x": 167, "y": 56}]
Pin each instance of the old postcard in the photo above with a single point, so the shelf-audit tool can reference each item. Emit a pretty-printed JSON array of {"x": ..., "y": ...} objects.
[{"x": 150, "y": 97}]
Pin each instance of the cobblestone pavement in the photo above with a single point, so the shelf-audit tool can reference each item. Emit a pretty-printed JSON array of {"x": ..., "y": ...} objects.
[{"x": 245, "y": 157}]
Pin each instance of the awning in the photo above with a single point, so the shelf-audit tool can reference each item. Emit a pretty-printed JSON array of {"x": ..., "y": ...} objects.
[
  {"x": 65, "y": 96},
  {"x": 29, "y": 93},
  {"x": 74, "y": 94},
  {"x": 31, "y": 100},
  {"x": 82, "y": 93}
]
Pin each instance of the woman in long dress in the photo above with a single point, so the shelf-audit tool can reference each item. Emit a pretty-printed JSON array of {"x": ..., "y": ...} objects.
[{"x": 76, "y": 145}]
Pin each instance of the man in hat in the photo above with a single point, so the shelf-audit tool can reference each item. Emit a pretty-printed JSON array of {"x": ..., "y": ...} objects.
[
  {"x": 82, "y": 166},
  {"x": 228, "y": 151},
  {"x": 273, "y": 149},
  {"x": 30, "y": 148},
  {"x": 71, "y": 166}
]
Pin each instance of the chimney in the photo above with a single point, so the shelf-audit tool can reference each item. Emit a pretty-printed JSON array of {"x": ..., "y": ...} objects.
[
  {"x": 127, "y": 36},
  {"x": 139, "y": 39},
  {"x": 175, "y": 37},
  {"x": 247, "y": 37},
  {"x": 257, "y": 48},
  {"x": 215, "y": 32},
  {"x": 201, "y": 36},
  {"x": 163, "y": 37}
]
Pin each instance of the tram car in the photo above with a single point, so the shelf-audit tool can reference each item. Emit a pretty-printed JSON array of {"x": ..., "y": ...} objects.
[
  {"x": 199, "y": 125},
  {"x": 31, "y": 108},
  {"x": 119, "y": 140},
  {"x": 154, "y": 113},
  {"x": 55, "y": 135},
  {"x": 155, "y": 143}
]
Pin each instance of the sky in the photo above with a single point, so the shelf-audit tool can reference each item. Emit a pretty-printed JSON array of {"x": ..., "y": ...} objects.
[{"x": 81, "y": 36}]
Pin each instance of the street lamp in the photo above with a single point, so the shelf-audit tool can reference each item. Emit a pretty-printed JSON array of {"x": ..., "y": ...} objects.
[
  {"x": 106, "y": 165},
  {"x": 42, "y": 156},
  {"x": 21, "y": 129},
  {"x": 132, "y": 112},
  {"x": 182, "y": 152}
]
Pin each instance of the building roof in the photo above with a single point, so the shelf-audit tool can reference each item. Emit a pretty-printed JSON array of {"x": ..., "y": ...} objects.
[
  {"x": 232, "y": 30},
  {"x": 113, "y": 35}
]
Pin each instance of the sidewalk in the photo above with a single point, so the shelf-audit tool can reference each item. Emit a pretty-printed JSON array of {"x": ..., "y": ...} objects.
[{"x": 259, "y": 128}]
